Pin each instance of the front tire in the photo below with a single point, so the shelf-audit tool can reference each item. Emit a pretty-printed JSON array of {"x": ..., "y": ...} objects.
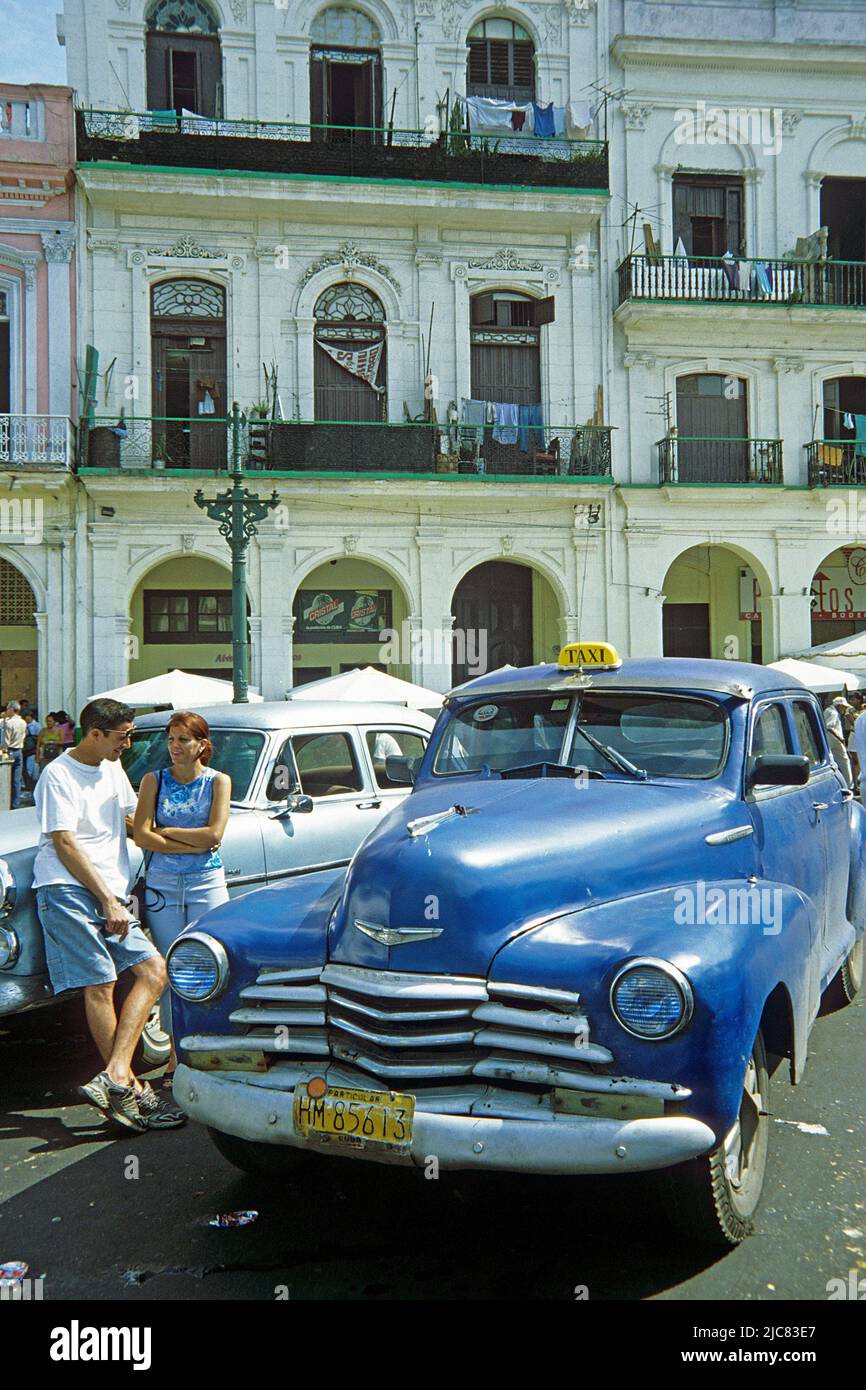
[
  {"x": 713, "y": 1198},
  {"x": 844, "y": 988},
  {"x": 262, "y": 1160}
]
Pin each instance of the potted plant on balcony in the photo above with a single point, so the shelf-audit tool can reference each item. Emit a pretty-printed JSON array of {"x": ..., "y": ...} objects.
[{"x": 160, "y": 449}]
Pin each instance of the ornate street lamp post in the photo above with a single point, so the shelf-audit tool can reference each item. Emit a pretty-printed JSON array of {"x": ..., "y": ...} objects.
[{"x": 237, "y": 512}]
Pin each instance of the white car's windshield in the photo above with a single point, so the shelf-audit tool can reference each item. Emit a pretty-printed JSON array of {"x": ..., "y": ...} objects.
[
  {"x": 236, "y": 752},
  {"x": 660, "y": 734}
]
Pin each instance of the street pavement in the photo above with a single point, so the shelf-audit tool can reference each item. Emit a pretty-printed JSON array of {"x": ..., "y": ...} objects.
[{"x": 104, "y": 1213}]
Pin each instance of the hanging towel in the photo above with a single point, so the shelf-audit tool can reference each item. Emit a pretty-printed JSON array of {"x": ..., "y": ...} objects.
[
  {"x": 518, "y": 118},
  {"x": 473, "y": 416},
  {"x": 544, "y": 121},
  {"x": 744, "y": 269},
  {"x": 489, "y": 115},
  {"x": 860, "y": 436},
  {"x": 680, "y": 249},
  {"x": 527, "y": 111},
  {"x": 848, "y": 420},
  {"x": 763, "y": 278},
  {"x": 578, "y": 118},
  {"x": 729, "y": 266},
  {"x": 505, "y": 429},
  {"x": 530, "y": 421},
  {"x": 559, "y": 120}
]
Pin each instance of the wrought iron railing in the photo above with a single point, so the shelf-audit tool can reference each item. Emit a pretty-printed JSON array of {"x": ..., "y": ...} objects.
[
  {"x": 836, "y": 463},
  {"x": 37, "y": 441},
  {"x": 291, "y": 147},
  {"x": 716, "y": 279},
  {"x": 339, "y": 446},
  {"x": 688, "y": 460}
]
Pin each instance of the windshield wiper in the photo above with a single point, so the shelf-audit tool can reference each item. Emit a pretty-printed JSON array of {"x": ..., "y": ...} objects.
[
  {"x": 616, "y": 759},
  {"x": 548, "y": 770}
]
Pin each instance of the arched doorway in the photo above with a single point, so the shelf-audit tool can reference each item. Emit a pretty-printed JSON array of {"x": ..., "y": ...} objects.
[
  {"x": 839, "y": 459},
  {"x": 505, "y": 614},
  {"x": 505, "y": 334},
  {"x": 711, "y": 606},
  {"x": 712, "y": 429},
  {"x": 345, "y": 76},
  {"x": 501, "y": 61},
  {"x": 350, "y": 365},
  {"x": 188, "y": 356},
  {"x": 19, "y": 676},
  {"x": 340, "y": 609},
  {"x": 181, "y": 618},
  {"x": 184, "y": 61},
  {"x": 838, "y": 595}
]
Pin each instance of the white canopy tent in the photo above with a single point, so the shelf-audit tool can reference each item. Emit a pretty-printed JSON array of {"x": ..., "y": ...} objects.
[
  {"x": 368, "y": 684},
  {"x": 847, "y": 652},
  {"x": 179, "y": 689},
  {"x": 821, "y": 679}
]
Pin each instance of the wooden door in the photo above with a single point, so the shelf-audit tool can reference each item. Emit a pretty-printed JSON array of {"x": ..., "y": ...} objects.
[
  {"x": 712, "y": 412},
  {"x": 494, "y": 599},
  {"x": 184, "y": 72},
  {"x": 5, "y": 372},
  {"x": 184, "y": 372},
  {"x": 339, "y": 394},
  {"x": 686, "y": 629}
]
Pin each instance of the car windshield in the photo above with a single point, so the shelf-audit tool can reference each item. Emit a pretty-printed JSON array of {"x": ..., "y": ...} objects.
[
  {"x": 236, "y": 751},
  {"x": 663, "y": 735}
]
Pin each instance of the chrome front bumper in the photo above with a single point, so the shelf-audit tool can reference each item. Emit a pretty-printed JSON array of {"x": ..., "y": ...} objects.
[
  {"x": 554, "y": 1144},
  {"x": 19, "y": 992}
]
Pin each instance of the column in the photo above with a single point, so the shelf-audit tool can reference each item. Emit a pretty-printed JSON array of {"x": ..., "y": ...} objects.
[
  {"x": 110, "y": 621},
  {"x": 786, "y": 623},
  {"x": 58, "y": 253},
  {"x": 255, "y": 678},
  {"x": 274, "y": 671},
  {"x": 42, "y": 684},
  {"x": 434, "y": 587},
  {"x": 569, "y": 629},
  {"x": 29, "y": 404}
]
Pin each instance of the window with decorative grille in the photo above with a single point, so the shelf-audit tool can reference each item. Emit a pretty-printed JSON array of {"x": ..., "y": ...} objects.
[{"x": 17, "y": 603}]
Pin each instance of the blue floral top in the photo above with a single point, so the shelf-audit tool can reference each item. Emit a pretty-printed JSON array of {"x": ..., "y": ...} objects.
[{"x": 185, "y": 804}]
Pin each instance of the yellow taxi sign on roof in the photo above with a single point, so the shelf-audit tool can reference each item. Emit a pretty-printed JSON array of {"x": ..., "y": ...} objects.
[{"x": 597, "y": 656}]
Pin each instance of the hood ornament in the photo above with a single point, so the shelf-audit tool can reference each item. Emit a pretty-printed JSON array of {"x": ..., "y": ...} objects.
[
  {"x": 422, "y": 824},
  {"x": 397, "y": 936}
]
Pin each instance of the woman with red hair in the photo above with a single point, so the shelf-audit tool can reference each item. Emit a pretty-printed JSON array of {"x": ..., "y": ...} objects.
[{"x": 180, "y": 820}]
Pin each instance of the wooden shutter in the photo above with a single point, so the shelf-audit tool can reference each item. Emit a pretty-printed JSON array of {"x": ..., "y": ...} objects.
[
  {"x": 543, "y": 311},
  {"x": 318, "y": 90},
  {"x": 523, "y": 55},
  {"x": 158, "y": 46},
  {"x": 209, "y": 74},
  {"x": 5, "y": 381},
  {"x": 734, "y": 219},
  {"x": 477, "y": 72},
  {"x": 483, "y": 308},
  {"x": 682, "y": 215}
]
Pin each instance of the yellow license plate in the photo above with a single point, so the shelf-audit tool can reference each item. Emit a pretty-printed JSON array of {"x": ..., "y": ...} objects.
[{"x": 355, "y": 1118}]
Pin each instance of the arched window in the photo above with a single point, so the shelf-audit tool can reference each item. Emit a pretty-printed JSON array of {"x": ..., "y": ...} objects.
[
  {"x": 184, "y": 61},
  {"x": 345, "y": 75},
  {"x": 350, "y": 368},
  {"x": 501, "y": 61},
  {"x": 188, "y": 353}
]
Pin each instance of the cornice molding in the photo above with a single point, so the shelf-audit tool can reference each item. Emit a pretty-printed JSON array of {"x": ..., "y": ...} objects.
[{"x": 739, "y": 54}]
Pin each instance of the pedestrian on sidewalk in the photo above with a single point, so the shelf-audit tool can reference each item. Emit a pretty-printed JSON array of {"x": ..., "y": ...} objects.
[
  {"x": 84, "y": 804},
  {"x": 857, "y": 748},
  {"x": 14, "y": 734},
  {"x": 836, "y": 739},
  {"x": 180, "y": 820}
]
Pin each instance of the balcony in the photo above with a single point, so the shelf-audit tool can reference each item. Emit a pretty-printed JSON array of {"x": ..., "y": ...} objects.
[
  {"x": 289, "y": 148},
  {"x": 711, "y": 280},
  {"x": 37, "y": 442},
  {"x": 836, "y": 463},
  {"x": 684, "y": 460},
  {"x": 301, "y": 448}
]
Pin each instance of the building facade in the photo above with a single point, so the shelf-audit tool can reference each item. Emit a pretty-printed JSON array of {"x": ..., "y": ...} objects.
[{"x": 529, "y": 308}]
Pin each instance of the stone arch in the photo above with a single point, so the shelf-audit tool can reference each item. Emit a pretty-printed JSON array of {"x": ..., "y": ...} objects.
[
  {"x": 486, "y": 10},
  {"x": 342, "y": 578},
  {"x": 312, "y": 287},
  {"x": 547, "y": 571},
  {"x": 715, "y": 587},
  {"x": 379, "y": 13},
  {"x": 722, "y": 366},
  {"x": 837, "y": 586},
  {"x": 486, "y": 633},
  {"x": 210, "y": 7},
  {"x": 16, "y": 660},
  {"x": 820, "y": 154},
  {"x": 328, "y": 553}
]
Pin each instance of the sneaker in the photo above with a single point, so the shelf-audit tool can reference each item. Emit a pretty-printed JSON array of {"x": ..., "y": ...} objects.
[
  {"x": 157, "y": 1112},
  {"x": 123, "y": 1106},
  {"x": 95, "y": 1092}
]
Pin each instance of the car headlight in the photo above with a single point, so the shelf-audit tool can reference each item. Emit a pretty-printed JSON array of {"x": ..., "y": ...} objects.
[
  {"x": 651, "y": 998},
  {"x": 9, "y": 948},
  {"x": 8, "y": 891},
  {"x": 198, "y": 967}
]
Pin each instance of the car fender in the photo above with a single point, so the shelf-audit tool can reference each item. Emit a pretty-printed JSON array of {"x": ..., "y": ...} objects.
[
  {"x": 284, "y": 925},
  {"x": 733, "y": 970}
]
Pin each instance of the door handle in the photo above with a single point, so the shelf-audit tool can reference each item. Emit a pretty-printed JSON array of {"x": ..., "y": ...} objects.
[
  {"x": 847, "y": 794},
  {"x": 820, "y": 806},
  {"x": 368, "y": 805}
]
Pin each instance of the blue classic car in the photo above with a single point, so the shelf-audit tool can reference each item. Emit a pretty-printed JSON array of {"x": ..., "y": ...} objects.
[
  {"x": 285, "y": 760},
  {"x": 610, "y": 908}
]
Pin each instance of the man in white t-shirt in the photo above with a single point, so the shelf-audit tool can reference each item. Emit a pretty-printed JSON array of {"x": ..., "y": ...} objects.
[
  {"x": 857, "y": 744},
  {"x": 81, "y": 875}
]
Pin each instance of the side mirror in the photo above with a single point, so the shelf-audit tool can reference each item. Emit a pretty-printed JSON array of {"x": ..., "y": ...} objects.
[
  {"x": 777, "y": 770},
  {"x": 297, "y": 801},
  {"x": 400, "y": 769}
]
